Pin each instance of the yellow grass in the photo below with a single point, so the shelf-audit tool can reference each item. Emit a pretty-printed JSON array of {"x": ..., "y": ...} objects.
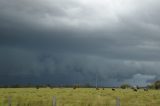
[{"x": 78, "y": 97}]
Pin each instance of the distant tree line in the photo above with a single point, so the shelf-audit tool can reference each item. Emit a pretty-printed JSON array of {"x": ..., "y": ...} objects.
[
  {"x": 46, "y": 85},
  {"x": 125, "y": 86},
  {"x": 155, "y": 85}
]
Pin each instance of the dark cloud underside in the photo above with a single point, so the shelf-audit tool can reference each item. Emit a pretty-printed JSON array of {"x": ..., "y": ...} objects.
[{"x": 68, "y": 42}]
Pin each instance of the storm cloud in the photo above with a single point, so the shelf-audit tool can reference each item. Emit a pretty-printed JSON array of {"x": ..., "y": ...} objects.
[{"x": 72, "y": 41}]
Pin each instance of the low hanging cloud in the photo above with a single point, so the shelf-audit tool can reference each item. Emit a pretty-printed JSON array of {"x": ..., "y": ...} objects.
[
  {"x": 68, "y": 42},
  {"x": 140, "y": 79}
]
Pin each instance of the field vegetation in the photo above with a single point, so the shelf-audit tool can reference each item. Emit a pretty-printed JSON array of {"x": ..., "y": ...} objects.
[{"x": 78, "y": 97}]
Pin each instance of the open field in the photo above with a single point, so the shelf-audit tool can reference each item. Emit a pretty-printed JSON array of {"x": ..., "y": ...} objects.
[{"x": 78, "y": 97}]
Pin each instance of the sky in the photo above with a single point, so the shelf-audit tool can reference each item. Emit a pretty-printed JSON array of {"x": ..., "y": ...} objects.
[{"x": 66, "y": 42}]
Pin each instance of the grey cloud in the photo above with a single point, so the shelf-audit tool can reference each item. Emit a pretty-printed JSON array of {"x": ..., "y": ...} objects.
[
  {"x": 71, "y": 41},
  {"x": 59, "y": 68},
  {"x": 140, "y": 80}
]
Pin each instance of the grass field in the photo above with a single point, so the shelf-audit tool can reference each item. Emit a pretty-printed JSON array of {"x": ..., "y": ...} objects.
[{"x": 78, "y": 97}]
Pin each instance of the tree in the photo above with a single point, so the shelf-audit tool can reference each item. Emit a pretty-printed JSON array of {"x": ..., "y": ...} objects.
[{"x": 157, "y": 84}]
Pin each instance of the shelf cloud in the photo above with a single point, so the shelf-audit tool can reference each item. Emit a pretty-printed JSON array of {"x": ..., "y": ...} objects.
[{"x": 72, "y": 41}]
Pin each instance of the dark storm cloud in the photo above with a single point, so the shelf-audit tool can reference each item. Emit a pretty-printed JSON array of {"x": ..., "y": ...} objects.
[{"x": 66, "y": 42}]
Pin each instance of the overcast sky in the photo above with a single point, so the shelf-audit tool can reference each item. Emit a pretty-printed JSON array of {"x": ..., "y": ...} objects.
[{"x": 70, "y": 41}]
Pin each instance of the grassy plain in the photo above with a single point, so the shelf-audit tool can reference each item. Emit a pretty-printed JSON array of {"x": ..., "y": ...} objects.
[{"x": 78, "y": 97}]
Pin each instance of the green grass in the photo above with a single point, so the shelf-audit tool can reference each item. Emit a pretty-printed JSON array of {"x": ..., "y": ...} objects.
[{"x": 78, "y": 97}]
